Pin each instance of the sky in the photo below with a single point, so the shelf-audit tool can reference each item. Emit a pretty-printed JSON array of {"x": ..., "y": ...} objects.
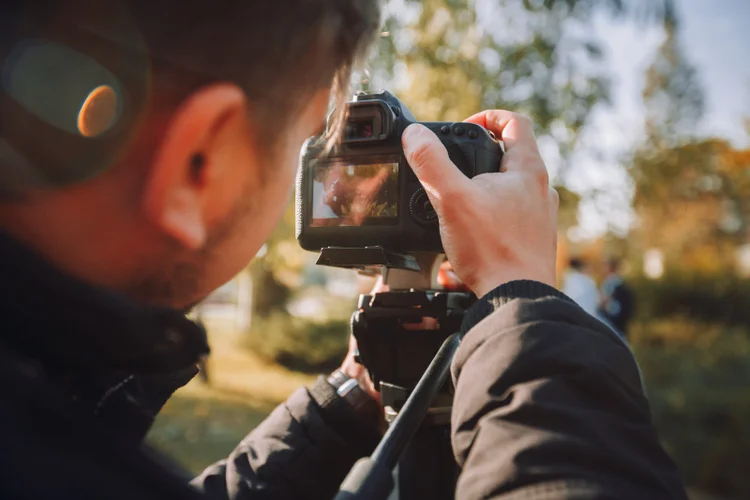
[
  {"x": 715, "y": 36},
  {"x": 716, "y": 39}
]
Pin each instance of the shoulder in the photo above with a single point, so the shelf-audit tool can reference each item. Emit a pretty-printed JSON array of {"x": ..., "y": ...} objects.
[{"x": 47, "y": 452}]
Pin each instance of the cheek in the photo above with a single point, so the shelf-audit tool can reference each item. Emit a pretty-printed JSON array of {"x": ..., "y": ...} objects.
[
  {"x": 281, "y": 175},
  {"x": 252, "y": 225}
]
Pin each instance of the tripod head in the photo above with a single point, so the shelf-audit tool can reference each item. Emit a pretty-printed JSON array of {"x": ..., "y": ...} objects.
[
  {"x": 407, "y": 338},
  {"x": 399, "y": 331}
]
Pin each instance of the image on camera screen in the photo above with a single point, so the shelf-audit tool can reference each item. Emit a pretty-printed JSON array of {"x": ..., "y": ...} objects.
[{"x": 349, "y": 194}]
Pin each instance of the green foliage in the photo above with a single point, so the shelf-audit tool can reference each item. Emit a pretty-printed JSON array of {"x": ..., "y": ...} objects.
[
  {"x": 695, "y": 296},
  {"x": 300, "y": 344},
  {"x": 197, "y": 432},
  {"x": 692, "y": 341},
  {"x": 567, "y": 215},
  {"x": 698, "y": 384},
  {"x": 277, "y": 271}
]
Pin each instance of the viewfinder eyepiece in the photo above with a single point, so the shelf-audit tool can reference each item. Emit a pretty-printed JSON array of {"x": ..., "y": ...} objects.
[
  {"x": 367, "y": 122},
  {"x": 362, "y": 128}
]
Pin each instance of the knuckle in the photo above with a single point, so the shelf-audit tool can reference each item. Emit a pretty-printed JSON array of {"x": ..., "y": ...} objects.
[
  {"x": 523, "y": 119},
  {"x": 421, "y": 155},
  {"x": 542, "y": 176}
]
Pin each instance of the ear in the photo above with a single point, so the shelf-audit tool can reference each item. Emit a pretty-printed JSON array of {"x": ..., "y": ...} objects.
[{"x": 198, "y": 173}]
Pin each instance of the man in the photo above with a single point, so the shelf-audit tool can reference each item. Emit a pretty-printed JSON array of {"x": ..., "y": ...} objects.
[
  {"x": 617, "y": 300},
  {"x": 175, "y": 179},
  {"x": 581, "y": 287}
]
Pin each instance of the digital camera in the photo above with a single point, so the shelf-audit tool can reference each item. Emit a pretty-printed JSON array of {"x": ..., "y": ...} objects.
[{"x": 362, "y": 192}]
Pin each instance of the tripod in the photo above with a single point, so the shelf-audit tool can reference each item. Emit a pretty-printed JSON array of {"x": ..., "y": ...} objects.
[{"x": 410, "y": 365}]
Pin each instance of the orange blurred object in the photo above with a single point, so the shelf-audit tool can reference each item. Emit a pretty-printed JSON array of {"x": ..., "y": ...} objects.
[
  {"x": 98, "y": 112},
  {"x": 447, "y": 279}
]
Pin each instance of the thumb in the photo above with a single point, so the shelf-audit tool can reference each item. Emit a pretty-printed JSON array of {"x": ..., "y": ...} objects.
[{"x": 429, "y": 160}]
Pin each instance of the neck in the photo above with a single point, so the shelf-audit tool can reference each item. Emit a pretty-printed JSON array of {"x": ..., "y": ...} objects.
[
  {"x": 98, "y": 248},
  {"x": 66, "y": 323}
]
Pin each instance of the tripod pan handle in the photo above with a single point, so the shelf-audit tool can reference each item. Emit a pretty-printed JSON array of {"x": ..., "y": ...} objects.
[{"x": 368, "y": 480}]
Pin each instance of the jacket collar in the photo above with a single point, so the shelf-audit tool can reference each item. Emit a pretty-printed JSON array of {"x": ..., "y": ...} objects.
[
  {"x": 73, "y": 326},
  {"x": 112, "y": 359}
]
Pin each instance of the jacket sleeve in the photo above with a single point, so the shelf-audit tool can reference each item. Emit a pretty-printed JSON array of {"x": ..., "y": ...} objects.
[
  {"x": 303, "y": 450},
  {"x": 549, "y": 403}
]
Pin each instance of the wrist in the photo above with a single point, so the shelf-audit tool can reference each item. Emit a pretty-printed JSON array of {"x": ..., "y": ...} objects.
[
  {"x": 538, "y": 274},
  {"x": 349, "y": 389},
  {"x": 505, "y": 293}
]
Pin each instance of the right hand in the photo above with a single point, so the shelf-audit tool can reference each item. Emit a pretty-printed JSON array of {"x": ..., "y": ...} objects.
[{"x": 496, "y": 227}]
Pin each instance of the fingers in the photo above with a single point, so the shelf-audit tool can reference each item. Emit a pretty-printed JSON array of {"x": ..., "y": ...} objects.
[
  {"x": 514, "y": 130},
  {"x": 429, "y": 160},
  {"x": 379, "y": 286}
]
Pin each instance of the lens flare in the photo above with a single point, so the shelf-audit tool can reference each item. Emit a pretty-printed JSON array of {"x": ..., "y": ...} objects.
[{"x": 98, "y": 111}]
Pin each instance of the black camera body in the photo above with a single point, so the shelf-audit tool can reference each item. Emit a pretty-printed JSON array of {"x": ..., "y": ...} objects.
[{"x": 362, "y": 193}]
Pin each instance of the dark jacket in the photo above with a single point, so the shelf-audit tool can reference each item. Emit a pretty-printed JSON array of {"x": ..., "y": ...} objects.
[{"x": 548, "y": 403}]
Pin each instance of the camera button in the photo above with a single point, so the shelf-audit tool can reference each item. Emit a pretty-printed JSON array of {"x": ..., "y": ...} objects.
[
  {"x": 445, "y": 129},
  {"x": 459, "y": 130},
  {"x": 473, "y": 134},
  {"x": 421, "y": 209}
]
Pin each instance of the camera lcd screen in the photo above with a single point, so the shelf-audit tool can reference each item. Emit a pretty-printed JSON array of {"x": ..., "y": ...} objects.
[{"x": 353, "y": 194}]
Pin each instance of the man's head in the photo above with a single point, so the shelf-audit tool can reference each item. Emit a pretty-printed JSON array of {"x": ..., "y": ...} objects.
[
  {"x": 613, "y": 266},
  {"x": 577, "y": 264},
  {"x": 234, "y": 89}
]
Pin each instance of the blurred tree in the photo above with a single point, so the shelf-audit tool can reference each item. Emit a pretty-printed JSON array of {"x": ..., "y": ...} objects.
[
  {"x": 691, "y": 195},
  {"x": 673, "y": 94},
  {"x": 276, "y": 270},
  {"x": 449, "y": 59},
  {"x": 693, "y": 202}
]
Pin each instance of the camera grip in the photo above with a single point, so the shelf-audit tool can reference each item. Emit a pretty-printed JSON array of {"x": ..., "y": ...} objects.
[
  {"x": 470, "y": 146},
  {"x": 488, "y": 161}
]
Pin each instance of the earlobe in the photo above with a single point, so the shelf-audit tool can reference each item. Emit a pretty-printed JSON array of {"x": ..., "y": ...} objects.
[
  {"x": 182, "y": 219},
  {"x": 179, "y": 193}
]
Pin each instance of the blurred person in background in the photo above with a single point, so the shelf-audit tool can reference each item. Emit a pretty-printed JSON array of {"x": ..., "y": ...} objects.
[
  {"x": 147, "y": 150},
  {"x": 617, "y": 304},
  {"x": 581, "y": 287}
]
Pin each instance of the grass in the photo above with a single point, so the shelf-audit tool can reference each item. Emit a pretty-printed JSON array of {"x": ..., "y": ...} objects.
[{"x": 202, "y": 424}]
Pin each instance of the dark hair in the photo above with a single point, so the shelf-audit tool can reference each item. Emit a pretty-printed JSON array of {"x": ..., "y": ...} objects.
[
  {"x": 576, "y": 263},
  {"x": 280, "y": 52},
  {"x": 613, "y": 264}
]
